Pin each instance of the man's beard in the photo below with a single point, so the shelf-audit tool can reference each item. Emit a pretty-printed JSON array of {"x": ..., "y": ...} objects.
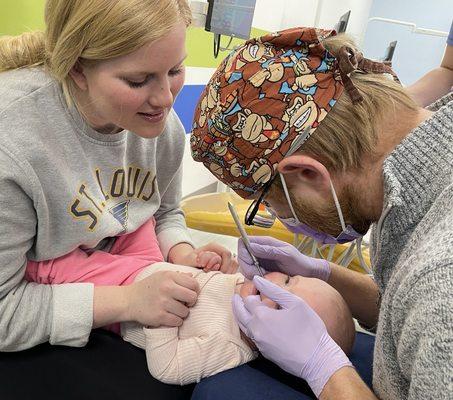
[{"x": 325, "y": 218}]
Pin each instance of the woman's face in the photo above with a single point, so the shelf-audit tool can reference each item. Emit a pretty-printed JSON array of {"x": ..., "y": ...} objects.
[{"x": 136, "y": 91}]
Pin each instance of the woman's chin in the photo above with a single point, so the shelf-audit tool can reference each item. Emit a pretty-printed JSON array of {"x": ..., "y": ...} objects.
[{"x": 147, "y": 132}]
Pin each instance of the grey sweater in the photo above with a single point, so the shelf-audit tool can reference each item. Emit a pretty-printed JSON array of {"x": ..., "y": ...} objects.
[
  {"x": 412, "y": 253},
  {"x": 63, "y": 186}
]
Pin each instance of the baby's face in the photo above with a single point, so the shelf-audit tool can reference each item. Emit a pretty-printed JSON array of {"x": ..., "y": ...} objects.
[
  {"x": 293, "y": 284},
  {"x": 320, "y": 296},
  {"x": 313, "y": 291}
]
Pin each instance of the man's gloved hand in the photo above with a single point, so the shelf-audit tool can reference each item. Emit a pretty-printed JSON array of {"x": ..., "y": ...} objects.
[
  {"x": 294, "y": 336},
  {"x": 275, "y": 255}
]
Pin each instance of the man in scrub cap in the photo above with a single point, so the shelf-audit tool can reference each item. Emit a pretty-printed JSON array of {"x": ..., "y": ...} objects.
[{"x": 331, "y": 144}]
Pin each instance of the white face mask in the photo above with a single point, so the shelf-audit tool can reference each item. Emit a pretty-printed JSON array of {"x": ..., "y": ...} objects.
[{"x": 348, "y": 234}]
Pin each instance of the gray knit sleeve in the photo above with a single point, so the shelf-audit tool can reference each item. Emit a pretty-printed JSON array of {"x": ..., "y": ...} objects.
[{"x": 425, "y": 344}]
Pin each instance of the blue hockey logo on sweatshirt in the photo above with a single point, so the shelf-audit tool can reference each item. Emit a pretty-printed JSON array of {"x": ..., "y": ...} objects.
[{"x": 120, "y": 212}]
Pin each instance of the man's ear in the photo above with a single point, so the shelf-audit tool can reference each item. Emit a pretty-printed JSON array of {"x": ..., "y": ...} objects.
[
  {"x": 306, "y": 173},
  {"x": 78, "y": 76}
]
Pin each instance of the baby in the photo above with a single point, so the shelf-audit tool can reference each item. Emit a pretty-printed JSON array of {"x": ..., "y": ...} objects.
[{"x": 210, "y": 341}]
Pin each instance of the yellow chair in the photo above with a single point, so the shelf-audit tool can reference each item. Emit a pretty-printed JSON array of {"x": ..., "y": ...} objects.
[{"x": 209, "y": 213}]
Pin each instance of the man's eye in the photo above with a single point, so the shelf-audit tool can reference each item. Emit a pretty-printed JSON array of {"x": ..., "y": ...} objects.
[{"x": 287, "y": 279}]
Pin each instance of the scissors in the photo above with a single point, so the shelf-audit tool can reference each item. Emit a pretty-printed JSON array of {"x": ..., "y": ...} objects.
[{"x": 244, "y": 237}]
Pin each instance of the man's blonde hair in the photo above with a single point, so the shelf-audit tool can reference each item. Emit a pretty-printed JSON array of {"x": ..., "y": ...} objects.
[
  {"x": 90, "y": 31},
  {"x": 349, "y": 132}
]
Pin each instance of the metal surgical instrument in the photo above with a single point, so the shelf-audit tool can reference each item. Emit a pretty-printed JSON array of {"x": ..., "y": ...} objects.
[{"x": 244, "y": 237}]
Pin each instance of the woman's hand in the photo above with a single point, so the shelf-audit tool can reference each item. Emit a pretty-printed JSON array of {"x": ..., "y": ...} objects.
[
  {"x": 275, "y": 255},
  {"x": 292, "y": 336},
  {"x": 161, "y": 299}
]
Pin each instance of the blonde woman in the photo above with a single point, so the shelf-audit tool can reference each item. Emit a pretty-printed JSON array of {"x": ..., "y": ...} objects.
[{"x": 90, "y": 149}]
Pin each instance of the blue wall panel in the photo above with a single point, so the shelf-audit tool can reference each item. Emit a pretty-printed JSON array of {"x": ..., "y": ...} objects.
[{"x": 186, "y": 102}]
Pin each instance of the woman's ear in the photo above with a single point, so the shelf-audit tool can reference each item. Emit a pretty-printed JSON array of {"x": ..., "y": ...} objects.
[
  {"x": 306, "y": 173},
  {"x": 78, "y": 76}
]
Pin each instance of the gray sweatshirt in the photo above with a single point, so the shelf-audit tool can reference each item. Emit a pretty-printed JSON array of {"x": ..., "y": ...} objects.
[
  {"x": 412, "y": 253},
  {"x": 63, "y": 186}
]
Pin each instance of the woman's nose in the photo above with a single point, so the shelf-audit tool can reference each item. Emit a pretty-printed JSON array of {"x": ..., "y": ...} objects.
[{"x": 161, "y": 95}]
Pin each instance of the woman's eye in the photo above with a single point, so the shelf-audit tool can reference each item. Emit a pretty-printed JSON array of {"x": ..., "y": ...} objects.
[
  {"x": 134, "y": 84},
  {"x": 287, "y": 279},
  {"x": 176, "y": 71}
]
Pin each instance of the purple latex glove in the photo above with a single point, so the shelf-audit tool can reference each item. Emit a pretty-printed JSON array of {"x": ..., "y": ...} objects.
[
  {"x": 275, "y": 255},
  {"x": 293, "y": 337}
]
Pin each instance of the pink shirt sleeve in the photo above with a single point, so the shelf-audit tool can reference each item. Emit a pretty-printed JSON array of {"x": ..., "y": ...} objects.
[{"x": 128, "y": 256}]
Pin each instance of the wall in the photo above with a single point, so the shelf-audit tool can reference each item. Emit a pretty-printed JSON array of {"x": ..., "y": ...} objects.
[
  {"x": 274, "y": 15},
  {"x": 415, "y": 54},
  {"x": 17, "y": 16}
]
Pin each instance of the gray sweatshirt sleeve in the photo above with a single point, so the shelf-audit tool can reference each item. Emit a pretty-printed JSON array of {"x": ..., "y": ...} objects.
[
  {"x": 170, "y": 222},
  {"x": 425, "y": 347},
  {"x": 171, "y": 226},
  {"x": 32, "y": 313}
]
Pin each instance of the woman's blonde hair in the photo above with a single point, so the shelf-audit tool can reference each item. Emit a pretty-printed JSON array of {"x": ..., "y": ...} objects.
[
  {"x": 90, "y": 31},
  {"x": 349, "y": 132}
]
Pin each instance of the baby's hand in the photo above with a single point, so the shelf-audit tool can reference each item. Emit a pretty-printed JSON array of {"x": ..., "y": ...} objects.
[
  {"x": 209, "y": 261},
  {"x": 211, "y": 254}
]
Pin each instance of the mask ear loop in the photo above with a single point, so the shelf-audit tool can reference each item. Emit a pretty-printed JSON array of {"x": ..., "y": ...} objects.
[
  {"x": 343, "y": 225},
  {"x": 362, "y": 262},
  {"x": 288, "y": 200},
  {"x": 297, "y": 143},
  {"x": 337, "y": 205},
  {"x": 335, "y": 199},
  {"x": 285, "y": 189}
]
